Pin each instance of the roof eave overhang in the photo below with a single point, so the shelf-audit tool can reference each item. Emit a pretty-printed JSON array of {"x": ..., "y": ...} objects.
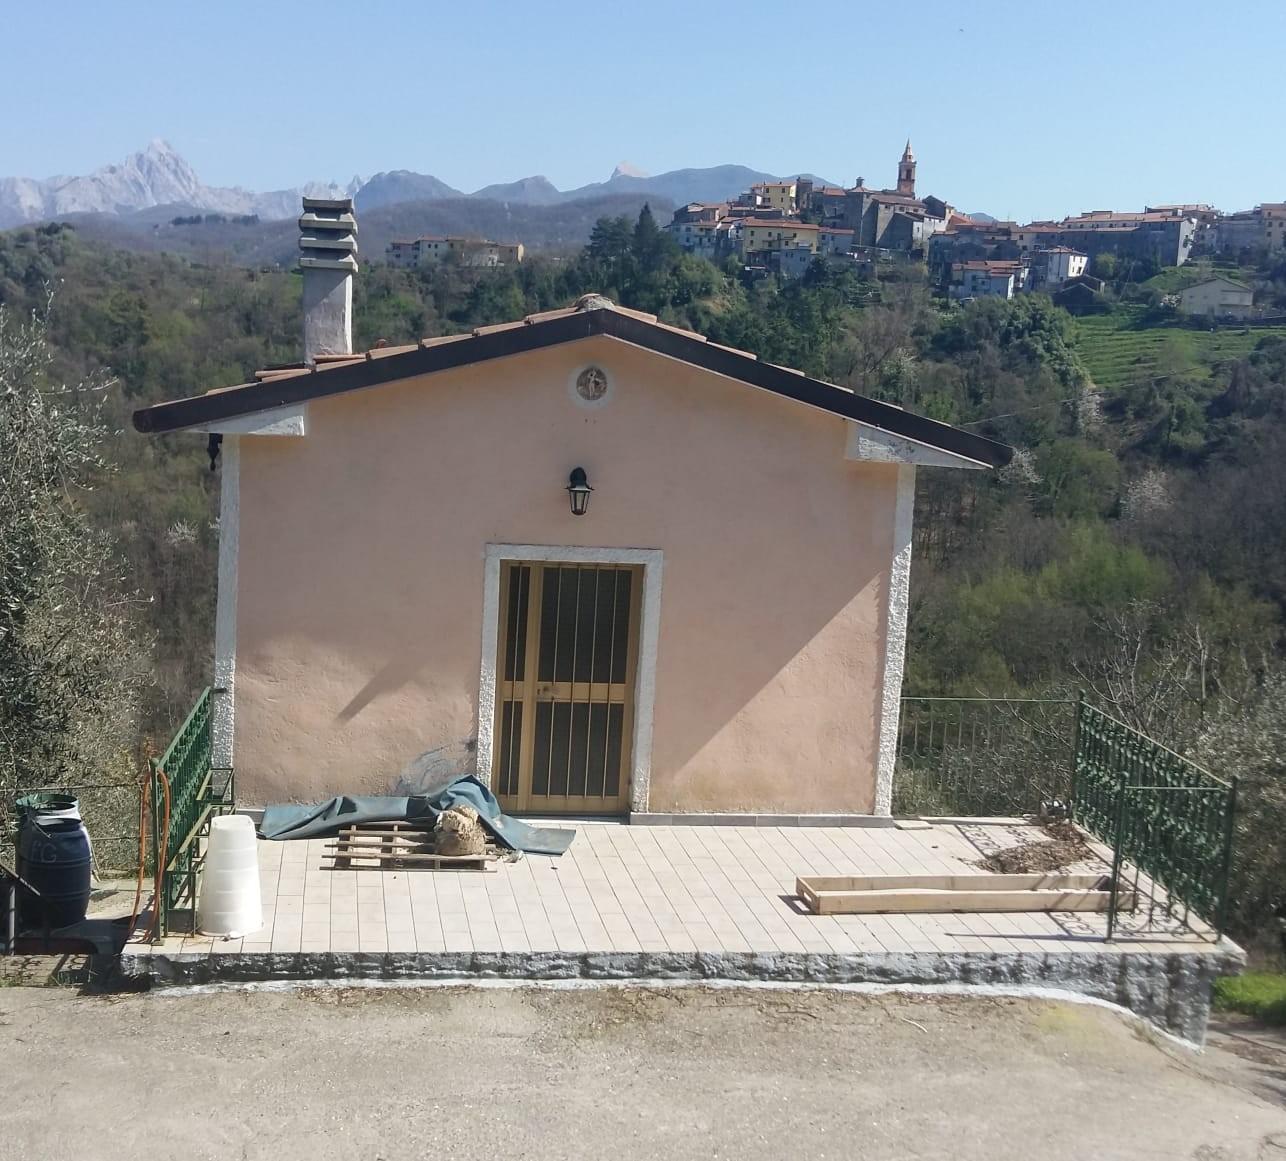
[
  {"x": 203, "y": 412},
  {"x": 871, "y": 413}
]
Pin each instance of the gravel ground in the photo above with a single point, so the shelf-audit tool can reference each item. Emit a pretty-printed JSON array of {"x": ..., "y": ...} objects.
[{"x": 625, "y": 1073}]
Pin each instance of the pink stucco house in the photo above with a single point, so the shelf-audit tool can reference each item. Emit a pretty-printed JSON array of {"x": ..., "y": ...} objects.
[{"x": 604, "y": 564}]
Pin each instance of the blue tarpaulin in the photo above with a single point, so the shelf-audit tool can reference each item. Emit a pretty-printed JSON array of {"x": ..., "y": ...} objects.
[{"x": 290, "y": 820}]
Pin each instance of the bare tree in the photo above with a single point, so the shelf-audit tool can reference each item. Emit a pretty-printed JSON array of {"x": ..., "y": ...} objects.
[
  {"x": 876, "y": 352},
  {"x": 1162, "y": 678},
  {"x": 1248, "y": 741}
]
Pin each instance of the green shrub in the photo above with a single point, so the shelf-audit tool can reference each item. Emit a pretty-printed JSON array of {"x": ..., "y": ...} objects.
[{"x": 1258, "y": 994}]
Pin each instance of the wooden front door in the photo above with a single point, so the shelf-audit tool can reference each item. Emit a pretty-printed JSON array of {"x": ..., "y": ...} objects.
[{"x": 565, "y": 686}]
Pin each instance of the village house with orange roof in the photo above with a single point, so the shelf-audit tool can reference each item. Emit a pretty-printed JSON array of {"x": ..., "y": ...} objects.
[
  {"x": 430, "y": 249},
  {"x": 784, "y": 225}
]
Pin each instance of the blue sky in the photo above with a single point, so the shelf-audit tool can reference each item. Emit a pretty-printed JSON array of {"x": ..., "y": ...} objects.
[{"x": 1019, "y": 109}]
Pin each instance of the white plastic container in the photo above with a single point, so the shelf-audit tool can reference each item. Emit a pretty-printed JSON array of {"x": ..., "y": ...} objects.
[{"x": 229, "y": 904}]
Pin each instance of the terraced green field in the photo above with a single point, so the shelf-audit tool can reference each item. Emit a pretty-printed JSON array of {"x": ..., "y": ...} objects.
[{"x": 1117, "y": 349}]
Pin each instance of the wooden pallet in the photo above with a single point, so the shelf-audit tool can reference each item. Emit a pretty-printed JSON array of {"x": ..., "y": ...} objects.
[
  {"x": 387, "y": 846},
  {"x": 927, "y": 894}
]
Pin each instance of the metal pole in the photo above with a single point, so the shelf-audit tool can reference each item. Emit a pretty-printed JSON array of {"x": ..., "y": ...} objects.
[
  {"x": 9, "y": 914},
  {"x": 1221, "y": 912},
  {"x": 1117, "y": 854},
  {"x": 158, "y": 923},
  {"x": 1076, "y": 747}
]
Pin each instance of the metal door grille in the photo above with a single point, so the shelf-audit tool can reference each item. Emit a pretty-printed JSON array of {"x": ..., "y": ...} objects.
[{"x": 565, "y": 712}]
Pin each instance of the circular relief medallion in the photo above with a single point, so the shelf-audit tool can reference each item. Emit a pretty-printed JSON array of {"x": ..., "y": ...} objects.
[{"x": 591, "y": 384}]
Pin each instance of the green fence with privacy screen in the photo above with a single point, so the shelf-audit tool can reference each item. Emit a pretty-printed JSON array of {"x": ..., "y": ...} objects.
[
  {"x": 982, "y": 756},
  {"x": 186, "y": 790},
  {"x": 1169, "y": 821}
]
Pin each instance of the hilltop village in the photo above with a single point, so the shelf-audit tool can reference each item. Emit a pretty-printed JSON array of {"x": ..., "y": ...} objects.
[{"x": 783, "y": 227}]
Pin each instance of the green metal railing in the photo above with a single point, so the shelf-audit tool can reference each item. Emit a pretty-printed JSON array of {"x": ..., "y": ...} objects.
[
  {"x": 186, "y": 790},
  {"x": 1165, "y": 817},
  {"x": 982, "y": 756},
  {"x": 1168, "y": 822}
]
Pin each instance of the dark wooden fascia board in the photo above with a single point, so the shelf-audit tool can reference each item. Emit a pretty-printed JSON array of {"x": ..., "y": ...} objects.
[
  {"x": 372, "y": 372},
  {"x": 814, "y": 392}
]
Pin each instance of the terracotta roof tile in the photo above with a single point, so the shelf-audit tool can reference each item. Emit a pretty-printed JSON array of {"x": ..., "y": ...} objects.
[
  {"x": 733, "y": 350},
  {"x": 682, "y": 331},
  {"x": 269, "y": 374},
  {"x": 496, "y": 328},
  {"x": 326, "y": 362},
  {"x": 638, "y": 314},
  {"x": 547, "y": 314}
]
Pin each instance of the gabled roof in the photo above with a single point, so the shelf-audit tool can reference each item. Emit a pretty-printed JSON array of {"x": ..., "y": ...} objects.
[
  {"x": 592, "y": 315},
  {"x": 1218, "y": 278},
  {"x": 1080, "y": 282}
]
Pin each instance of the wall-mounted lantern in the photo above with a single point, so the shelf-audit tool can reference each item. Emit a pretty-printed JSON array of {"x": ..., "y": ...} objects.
[{"x": 578, "y": 489}]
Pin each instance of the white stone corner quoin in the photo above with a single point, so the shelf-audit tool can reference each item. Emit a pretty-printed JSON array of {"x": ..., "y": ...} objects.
[
  {"x": 873, "y": 444},
  {"x": 223, "y": 711},
  {"x": 649, "y": 635},
  {"x": 895, "y": 639},
  {"x": 290, "y": 420}
]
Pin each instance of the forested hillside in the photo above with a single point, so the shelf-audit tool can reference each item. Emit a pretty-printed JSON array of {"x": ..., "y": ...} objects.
[
  {"x": 223, "y": 239},
  {"x": 1135, "y": 547}
]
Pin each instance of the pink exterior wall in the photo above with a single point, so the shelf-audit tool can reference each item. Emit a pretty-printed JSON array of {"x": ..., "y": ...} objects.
[{"x": 361, "y": 560}]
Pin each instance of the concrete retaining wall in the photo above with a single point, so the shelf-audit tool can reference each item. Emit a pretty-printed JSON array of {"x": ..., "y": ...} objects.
[{"x": 1171, "y": 991}]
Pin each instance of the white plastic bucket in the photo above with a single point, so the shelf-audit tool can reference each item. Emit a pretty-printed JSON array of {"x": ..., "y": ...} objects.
[{"x": 229, "y": 903}]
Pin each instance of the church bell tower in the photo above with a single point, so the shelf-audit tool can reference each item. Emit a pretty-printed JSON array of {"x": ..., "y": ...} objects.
[{"x": 906, "y": 171}]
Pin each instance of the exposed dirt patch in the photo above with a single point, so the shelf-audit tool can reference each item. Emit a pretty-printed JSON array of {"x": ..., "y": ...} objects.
[
  {"x": 631, "y": 1074},
  {"x": 1064, "y": 847}
]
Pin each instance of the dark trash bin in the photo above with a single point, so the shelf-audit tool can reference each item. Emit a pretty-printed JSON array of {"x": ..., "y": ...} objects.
[{"x": 54, "y": 858}]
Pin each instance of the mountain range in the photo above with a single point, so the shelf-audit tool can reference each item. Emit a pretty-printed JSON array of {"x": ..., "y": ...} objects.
[
  {"x": 155, "y": 176},
  {"x": 159, "y": 177}
]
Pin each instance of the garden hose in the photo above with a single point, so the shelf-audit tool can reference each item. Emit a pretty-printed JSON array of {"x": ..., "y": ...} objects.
[{"x": 146, "y": 803}]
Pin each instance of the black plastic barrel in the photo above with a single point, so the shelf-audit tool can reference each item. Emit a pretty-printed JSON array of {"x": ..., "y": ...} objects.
[{"x": 54, "y": 858}]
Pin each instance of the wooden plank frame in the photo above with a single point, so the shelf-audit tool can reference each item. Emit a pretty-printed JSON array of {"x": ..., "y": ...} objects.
[{"x": 945, "y": 894}]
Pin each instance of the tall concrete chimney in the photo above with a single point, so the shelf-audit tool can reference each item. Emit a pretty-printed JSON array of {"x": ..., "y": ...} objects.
[{"x": 328, "y": 259}]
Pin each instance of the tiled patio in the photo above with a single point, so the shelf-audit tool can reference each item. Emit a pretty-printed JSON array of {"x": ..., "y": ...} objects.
[{"x": 657, "y": 889}]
